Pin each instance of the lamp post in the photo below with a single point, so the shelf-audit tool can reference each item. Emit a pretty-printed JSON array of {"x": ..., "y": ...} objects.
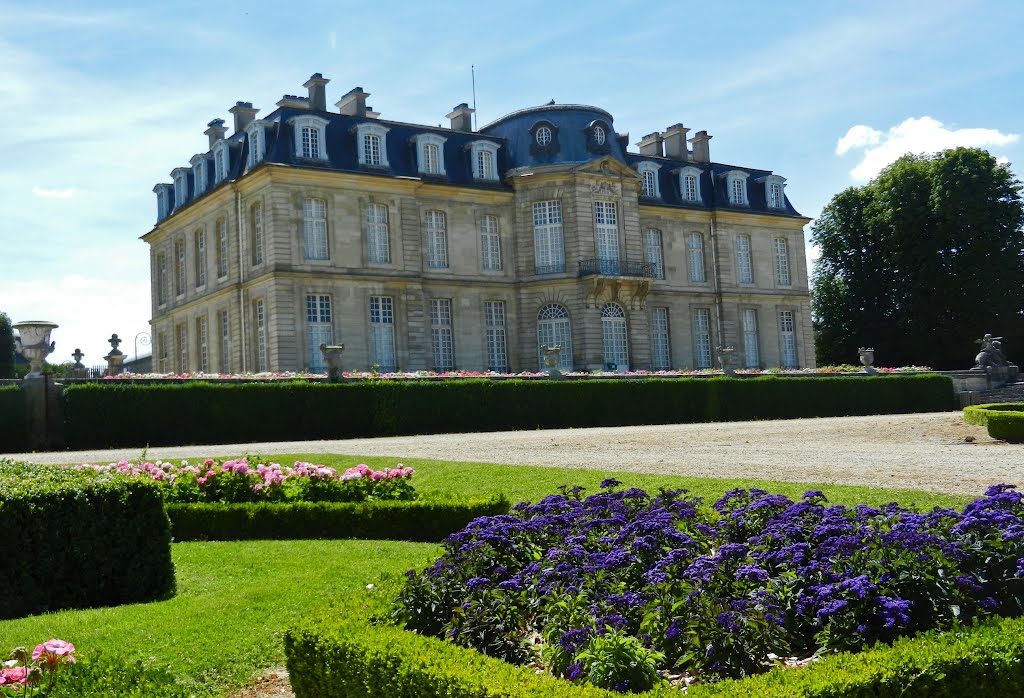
[{"x": 143, "y": 338}]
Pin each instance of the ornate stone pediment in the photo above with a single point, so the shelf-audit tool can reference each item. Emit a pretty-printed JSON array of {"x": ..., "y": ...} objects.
[{"x": 607, "y": 167}]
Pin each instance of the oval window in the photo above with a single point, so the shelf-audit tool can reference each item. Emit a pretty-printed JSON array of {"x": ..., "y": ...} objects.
[
  {"x": 543, "y": 136},
  {"x": 599, "y": 135}
]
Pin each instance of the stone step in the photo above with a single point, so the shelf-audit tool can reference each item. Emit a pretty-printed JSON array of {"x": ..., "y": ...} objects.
[{"x": 1008, "y": 393}]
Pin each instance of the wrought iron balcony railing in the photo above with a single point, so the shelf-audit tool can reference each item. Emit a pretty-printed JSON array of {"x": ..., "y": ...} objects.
[
  {"x": 617, "y": 267},
  {"x": 549, "y": 268}
]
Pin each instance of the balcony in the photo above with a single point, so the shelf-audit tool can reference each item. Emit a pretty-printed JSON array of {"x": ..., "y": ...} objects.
[
  {"x": 617, "y": 267},
  {"x": 617, "y": 281}
]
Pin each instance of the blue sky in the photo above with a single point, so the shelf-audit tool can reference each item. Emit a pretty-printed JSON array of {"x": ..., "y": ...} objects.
[{"x": 101, "y": 100}]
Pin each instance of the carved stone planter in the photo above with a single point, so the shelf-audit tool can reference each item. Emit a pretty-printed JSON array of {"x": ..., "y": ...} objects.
[
  {"x": 867, "y": 358},
  {"x": 552, "y": 357},
  {"x": 34, "y": 343}
]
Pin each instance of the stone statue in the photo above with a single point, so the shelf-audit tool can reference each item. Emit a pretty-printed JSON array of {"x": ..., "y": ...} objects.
[{"x": 991, "y": 353}]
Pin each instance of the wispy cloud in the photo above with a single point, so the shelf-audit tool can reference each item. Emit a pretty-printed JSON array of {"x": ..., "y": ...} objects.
[
  {"x": 914, "y": 135},
  {"x": 68, "y": 193}
]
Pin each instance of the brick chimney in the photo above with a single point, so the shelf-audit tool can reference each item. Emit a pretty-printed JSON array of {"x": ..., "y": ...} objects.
[
  {"x": 701, "y": 148},
  {"x": 317, "y": 86},
  {"x": 244, "y": 115},
  {"x": 462, "y": 117},
  {"x": 675, "y": 142},
  {"x": 651, "y": 144},
  {"x": 353, "y": 103},
  {"x": 216, "y": 131}
]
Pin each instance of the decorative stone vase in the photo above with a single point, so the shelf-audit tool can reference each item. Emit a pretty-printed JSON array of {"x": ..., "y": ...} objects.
[
  {"x": 332, "y": 357},
  {"x": 552, "y": 357},
  {"x": 34, "y": 343},
  {"x": 728, "y": 360},
  {"x": 867, "y": 357}
]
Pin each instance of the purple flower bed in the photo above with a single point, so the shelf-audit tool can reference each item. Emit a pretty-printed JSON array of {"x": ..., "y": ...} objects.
[{"x": 626, "y": 590}]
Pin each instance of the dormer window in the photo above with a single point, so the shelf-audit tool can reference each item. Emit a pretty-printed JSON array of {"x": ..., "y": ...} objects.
[
  {"x": 736, "y": 187},
  {"x": 544, "y": 135},
  {"x": 199, "y": 173},
  {"x": 689, "y": 185},
  {"x": 371, "y": 142},
  {"x": 180, "y": 176},
  {"x": 596, "y": 134},
  {"x": 430, "y": 153},
  {"x": 774, "y": 191},
  {"x": 649, "y": 180},
  {"x": 599, "y": 135},
  {"x": 221, "y": 162},
  {"x": 163, "y": 200},
  {"x": 257, "y": 143},
  {"x": 485, "y": 160},
  {"x": 310, "y": 141}
]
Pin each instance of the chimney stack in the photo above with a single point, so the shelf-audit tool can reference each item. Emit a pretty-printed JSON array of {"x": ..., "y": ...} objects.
[
  {"x": 317, "y": 86},
  {"x": 244, "y": 115},
  {"x": 701, "y": 149},
  {"x": 462, "y": 117},
  {"x": 651, "y": 144},
  {"x": 675, "y": 142},
  {"x": 216, "y": 131},
  {"x": 353, "y": 103}
]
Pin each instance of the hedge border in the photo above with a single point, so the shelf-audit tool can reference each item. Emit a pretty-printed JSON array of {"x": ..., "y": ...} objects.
[
  {"x": 337, "y": 653},
  {"x": 1004, "y": 420},
  {"x": 429, "y": 520},
  {"x": 13, "y": 421}
]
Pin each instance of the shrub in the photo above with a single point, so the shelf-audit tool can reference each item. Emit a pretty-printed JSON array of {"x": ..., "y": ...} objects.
[
  {"x": 427, "y": 521},
  {"x": 78, "y": 540},
  {"x": 297, "y": 410},
  {"x": 1004, "y": 421},
  {"x": 99, "y": 675},
  {"x": 13, "y": 425}
]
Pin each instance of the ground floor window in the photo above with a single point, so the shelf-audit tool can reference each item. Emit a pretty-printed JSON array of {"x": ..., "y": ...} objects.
[
  {"x": 382, "y": 334},
  {"x": 441, "y": 334},
  {"x": 494, "y": 321},
  {"x": 553, "y": 329},
  {"x": 787, "y": 339},
  {"x": 661, "y": 354},
  {"x": 702, "y": 338},
  {"x": 751, "y": 354},
  {"x": 319, "y": 330},
  {"x": 615, "y": 338}
]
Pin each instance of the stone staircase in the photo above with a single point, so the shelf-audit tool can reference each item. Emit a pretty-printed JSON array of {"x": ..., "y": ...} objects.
[{"x": 1014, "y": 392}]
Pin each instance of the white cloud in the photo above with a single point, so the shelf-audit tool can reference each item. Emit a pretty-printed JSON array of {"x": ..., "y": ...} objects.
[
  {"x": 914, "y": 135},
  {"x": 55, "y": 193}
]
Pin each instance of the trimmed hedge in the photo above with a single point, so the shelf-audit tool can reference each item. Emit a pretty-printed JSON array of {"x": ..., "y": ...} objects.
[
  {"x": 421, "y": 520},
  {"x": 338, "y": 653},
  {"x": 76, "y": 540},
  {"x": 119, "y": 415},
  {"x": 13, "y": 423},
  {"x": 1004, "y": 421}
]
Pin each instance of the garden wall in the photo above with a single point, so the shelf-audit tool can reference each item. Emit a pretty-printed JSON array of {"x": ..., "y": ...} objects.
[{"x": 119, "y": 414}]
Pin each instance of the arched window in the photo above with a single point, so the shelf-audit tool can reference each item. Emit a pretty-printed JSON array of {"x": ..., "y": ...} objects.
[
  {"x": 615, "y": 338},
  {"x": 543, "y": 136},
  {"x": 599, "y": 136},
  {"x": 553, "y": 329}
]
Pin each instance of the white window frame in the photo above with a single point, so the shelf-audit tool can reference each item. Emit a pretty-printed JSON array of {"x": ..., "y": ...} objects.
[
  {"x": 744, "y": 260},
  {"x": 484, "y": 168},
  {"x": 780, "y": 253},
  {"x": 435, "y": 226},
  {"x": 548, "y": 239},
  {"x": 425, "y": 141},
  {"x": 606, "y": 236},
  {"x": 736, "y": 187},
  {"x": 199, "y": 241},
  {"x": 688, "y": 176},
  {"x": 702, "y": 357},
  {"x": 600, "y": 137},
  {"x": 319, "y": 127},
  {"x": 554, "y": 328},
  {"x": 180, "y": 272},
  {"x": 163, "y": 352},
  {"x": 788, "y": 356},
  {"x": 162, "y": 280},
  {"x": 181, "y": 336},
  {"x": 225, "y": 341},
  {"x": 315, "y": 239},
  {"x": 319, "y": 329},
  {"x": 259, "y": 310},
  {"x": 258, "y": 237},
  {"x": 163, "y": 200},
  {"x": 614, "y": 338},
  {"x": 199, "y": 176},
  {"x": 180, "y": 177},
  {"x": 442, "y": 343},
  {"x": 661, "y": 342},
  {"x": 381, "y": 132},
  {"x": 257, "y": 142},
  {"x": 378, "y": 238},
  {"x": 223, "y": 248},
  {"x": 654, "y": 252},
  {"x": 494, "y": 336},
  {"x": 490, "y": 243},
  {"x": 695, "y": 258},
  {"x": 751, "y": 341},
  {"x": 221, "y": 162},
  {"x": 544, "y": 135},
  {"x": 202, "y": 344},
  {"x": 650, "y": 188},
  {"x": 774, "y": 192},
  {"x": 382, "y": 333}
]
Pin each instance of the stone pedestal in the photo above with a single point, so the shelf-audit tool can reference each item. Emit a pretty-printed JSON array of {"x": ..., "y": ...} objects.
[{"x": 44, "y": 404}]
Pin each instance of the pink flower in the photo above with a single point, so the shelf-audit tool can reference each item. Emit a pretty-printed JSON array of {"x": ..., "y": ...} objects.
[
  {"x": 54, "y": 652},
  {"x": 17, "y": 675}
]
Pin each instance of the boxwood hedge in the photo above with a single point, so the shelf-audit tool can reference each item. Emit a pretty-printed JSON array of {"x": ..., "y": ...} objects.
[
  {"x": 339, "y": 653},
  {"x": 13, "y": 425},
  {"x": 75, "y": 540},
  {"x": 118, "y": 415},
  {"x": 1003, "y": 420}
]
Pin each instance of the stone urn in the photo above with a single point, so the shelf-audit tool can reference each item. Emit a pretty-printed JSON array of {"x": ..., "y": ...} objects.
[
  {"x": 34, "y": 343},
  {"x": 115, "y": 359},
  {"x": 332, "y": 357},
  {"x": 728, "y": 360},
  {"x": 552, "y": 357},
  {"x": 78, "y": 370},
  {"x": 867, "y": 357}
]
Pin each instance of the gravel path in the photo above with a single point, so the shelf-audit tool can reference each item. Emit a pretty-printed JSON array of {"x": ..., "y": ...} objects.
[{"x": 933, "y": 451}]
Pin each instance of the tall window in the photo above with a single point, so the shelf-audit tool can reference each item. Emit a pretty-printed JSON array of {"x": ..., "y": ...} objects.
[
  {"x": 161, "y": 279},
  {"x": 494, "y": 328},
  {"x": 311, "y": 142},
  {"x": 164, "y": 351},
  {"x": 222, "y": 248},
  {"x": 437, "y": 241},
  {"x": 179, "y": 268},
  {"x": 378, "y": 250},
  {"x": 736, "y": 183},
  {"x": 614, "y": 338},
  {"x": 371, "y": 149},
  {"x": 314, "y": 228},
  {"x": 200, "y": 258},
  {"x": 782, "y": 276},
  {"x": 257, "y": 144},
  {"x": 202, "y": 344},
  {"x": 221, "y": 163},
  {"x": 199, "y": 174},
  {"x": 695, "y": 252},
  {"x": 606, "y": 228},
  {"x": 441, "y": 334},
  {"x": 702, "y": 337},
  {"x": 689, "y": 184},
  {"x": 549, "y": 253},
  {"x": 775, "y": 196},
  {"x": 225, "y": 341},
  {"x": 382, "y": 333},
  {"x": 650, "y": 183},
  {"x": 553, "y": 329},
  {"x": 260, "y": 324},
  {"x": 653, "y": 252},
  {"x": 431, "y": 158},
  {"x": 257, "y": 234},
  {"x": 661, "y": 353},
  {"x": 490, "y": 244},
  {"x": 787, "y": 339},
  {"x": 180, "y": 175},
  {"x": 309, "y": 137},
  {"x": 751, "y": 351},
  {"x": 744, "y": 265},
  {"x": 484, "y": 164},
  {"x": 430, "y": 153},
  {"x": 319, "y": 329},
  {"x": 182, "y": 336}
]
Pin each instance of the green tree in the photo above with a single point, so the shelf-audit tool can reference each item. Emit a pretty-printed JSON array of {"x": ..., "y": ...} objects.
[
  {"x": 6, "y": 347},
  {"x": 921, "y": 262}
]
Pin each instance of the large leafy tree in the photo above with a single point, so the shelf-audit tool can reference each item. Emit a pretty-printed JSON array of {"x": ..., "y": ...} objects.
[
  {"x": 921, "y": 262},
  {"x": 6, "y": 347}
]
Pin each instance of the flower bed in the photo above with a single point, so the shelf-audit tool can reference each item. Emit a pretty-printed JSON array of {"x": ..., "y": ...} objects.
[
  {"x": 238, "y": 481},
  {"x": 629, "y": 591}
]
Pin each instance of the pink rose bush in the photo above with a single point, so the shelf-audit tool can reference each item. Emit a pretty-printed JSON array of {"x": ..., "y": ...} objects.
[
  {"x": 247, "y": 479},
  {"x": 25, "y": 675}
]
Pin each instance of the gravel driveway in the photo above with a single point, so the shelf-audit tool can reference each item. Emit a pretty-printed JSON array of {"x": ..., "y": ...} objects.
[{"x": 931, "y": 451}]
